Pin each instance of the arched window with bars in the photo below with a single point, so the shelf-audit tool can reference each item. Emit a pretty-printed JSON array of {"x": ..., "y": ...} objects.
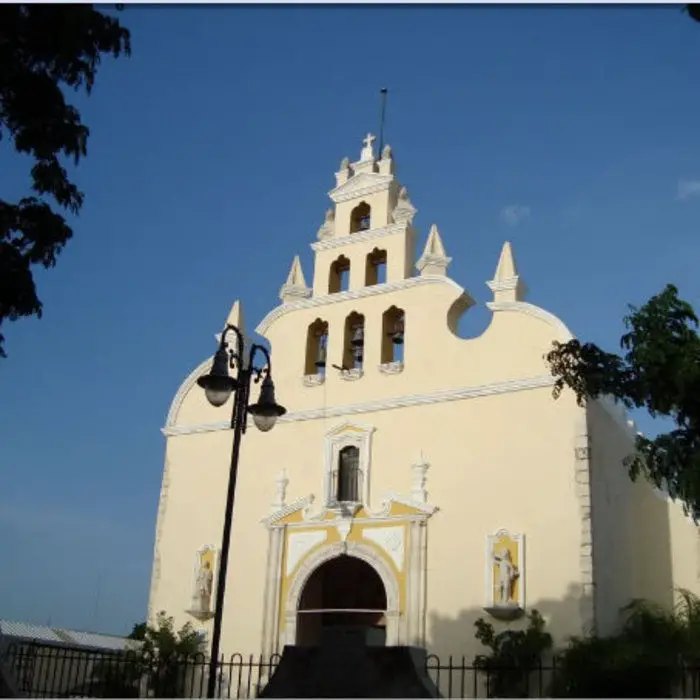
[{"x": 348, "y": 486}]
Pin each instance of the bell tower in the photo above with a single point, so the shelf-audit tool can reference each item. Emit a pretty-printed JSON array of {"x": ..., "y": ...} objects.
[{"x": 367, "y": 237}]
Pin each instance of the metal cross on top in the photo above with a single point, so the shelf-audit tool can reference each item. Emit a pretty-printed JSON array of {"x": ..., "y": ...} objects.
[{"x": 369, "y": 140}]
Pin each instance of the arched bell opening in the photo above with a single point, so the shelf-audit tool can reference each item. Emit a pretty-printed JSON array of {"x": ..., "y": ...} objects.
[
  {"x": 343, "y": 596},
  {"x": 360, "y": 218},
  {"x": 375, "y": 268},
  {"x": 316, "y": 348},
  {"x": 339, "y": 275},
  {"x": 354, "y": 341},
  {"x": 393, "y": 335}
]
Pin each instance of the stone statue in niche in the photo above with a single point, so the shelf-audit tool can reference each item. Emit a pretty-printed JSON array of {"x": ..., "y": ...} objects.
[
  {"x": 507, "y": 573},
  {"x": 203, "y": 588}
]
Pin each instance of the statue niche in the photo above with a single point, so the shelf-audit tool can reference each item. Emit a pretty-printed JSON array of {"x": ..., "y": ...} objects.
[{"x": 201, "y": 605}]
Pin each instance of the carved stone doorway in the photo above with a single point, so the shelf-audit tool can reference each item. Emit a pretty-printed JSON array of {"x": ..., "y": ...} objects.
[{"x": 343, "y": 596}]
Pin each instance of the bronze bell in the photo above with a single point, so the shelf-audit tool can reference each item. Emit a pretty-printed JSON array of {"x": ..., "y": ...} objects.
[
  {"x": 358, "y": 337},
  {"x": 397, "y": 335},
  {"x": 322, "y": 352}
]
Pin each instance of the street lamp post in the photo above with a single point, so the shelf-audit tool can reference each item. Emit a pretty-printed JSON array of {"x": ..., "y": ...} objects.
[{"x": 218, "y": 386}]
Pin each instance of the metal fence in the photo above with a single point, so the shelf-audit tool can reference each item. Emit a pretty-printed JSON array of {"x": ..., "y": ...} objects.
[{"x": 43, "y": 671}]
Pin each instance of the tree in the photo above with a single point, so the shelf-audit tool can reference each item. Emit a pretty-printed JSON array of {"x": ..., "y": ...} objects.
[
  {"x": 165, "y": 659},
  {"x": 515, "y": 654},
  {"x": 659, "y": 370},
  {"x": 42, "y": 49},
  {"x": 693, "y": 11}
]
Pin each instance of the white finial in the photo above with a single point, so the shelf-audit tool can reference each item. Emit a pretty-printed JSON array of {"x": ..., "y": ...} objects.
[
  {"x": 506, "y": 284},
  {"x": 295, "y": 287},
  {"x": 434, "y": 260},
  {"x": 368, "y": 150},
  {"x": 418, "y": 490},
  {"x": 281, "y": 484}
]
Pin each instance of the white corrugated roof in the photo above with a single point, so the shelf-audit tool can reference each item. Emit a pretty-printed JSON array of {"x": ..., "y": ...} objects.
[{"x": 51, "y": 635}]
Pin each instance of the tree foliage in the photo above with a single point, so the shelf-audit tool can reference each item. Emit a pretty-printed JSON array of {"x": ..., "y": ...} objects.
[
  {"x": 43, "y": 49},
  {"x": 650, "y": 656},
  {"x": 659, "y": 370},
  {"x": 514, "y": 655},
  {"x": 165, "y": 660}
]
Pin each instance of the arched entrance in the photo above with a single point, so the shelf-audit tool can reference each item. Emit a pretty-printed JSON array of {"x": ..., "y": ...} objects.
[{"x": 344, "y": 595}]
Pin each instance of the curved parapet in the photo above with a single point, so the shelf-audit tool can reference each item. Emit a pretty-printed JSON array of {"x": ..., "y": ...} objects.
[{"x": 183, "y": 390}]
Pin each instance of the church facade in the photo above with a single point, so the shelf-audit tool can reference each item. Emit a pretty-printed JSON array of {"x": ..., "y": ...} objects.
[{"x": 419, "y": 480}]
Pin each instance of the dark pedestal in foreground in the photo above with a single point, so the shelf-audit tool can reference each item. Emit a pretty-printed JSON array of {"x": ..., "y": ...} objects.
[{"x": 347, "y": 668}]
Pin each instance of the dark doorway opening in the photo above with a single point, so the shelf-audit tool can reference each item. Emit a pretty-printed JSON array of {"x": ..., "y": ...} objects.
[{"x": 344, "y": 596}]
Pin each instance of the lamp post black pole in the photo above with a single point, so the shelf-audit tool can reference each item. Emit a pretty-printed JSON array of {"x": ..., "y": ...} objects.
[
  {"x": 218, "y": 386},
  {"x": 238, "y": 419}
]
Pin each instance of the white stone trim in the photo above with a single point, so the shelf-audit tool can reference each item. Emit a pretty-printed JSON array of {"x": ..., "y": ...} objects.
[
  {"x": 366, "y": 553},
  {"x": 271, "y": 604},
  {"x": 160, "y": 521},
  {"x": 442, "y": 395},
  {"x": 391, "y": 367},
  {"x": 582, "y": 486},
  {"x": 523, "y": 307},
  {"x": 344, "y": 435},
  {"x": 310, "y": 380},
  {"x": 354, "y": 294},
  {"x": 192, "y": 377},
  {"x": 505, "y": 285},
  {"x": 371, "y": 234},
  {"x": 352, "y": 374},
  {"x": 360, "y": 185}
]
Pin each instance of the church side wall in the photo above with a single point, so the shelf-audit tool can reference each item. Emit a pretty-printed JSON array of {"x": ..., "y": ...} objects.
[
  {"x": 685, "y": 549},
  {"x": 631, "y": 536}
]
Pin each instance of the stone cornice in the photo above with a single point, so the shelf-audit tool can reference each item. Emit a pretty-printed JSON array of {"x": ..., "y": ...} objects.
[
  {"x": 360, "y": 237},
  {"x": 381, "y": 404},
  {"x": 352, "y": 295},
  {"x": 360, "y": 185}
]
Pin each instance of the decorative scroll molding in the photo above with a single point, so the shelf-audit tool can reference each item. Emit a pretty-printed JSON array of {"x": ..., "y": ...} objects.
[
  {"x": 382, "y": 404},
  {"x": 391, "y": 540},
  {"x": 299, "y": 544}
]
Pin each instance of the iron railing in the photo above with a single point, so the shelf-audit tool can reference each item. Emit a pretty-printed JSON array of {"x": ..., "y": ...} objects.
[{"x": 44, "y": 671}]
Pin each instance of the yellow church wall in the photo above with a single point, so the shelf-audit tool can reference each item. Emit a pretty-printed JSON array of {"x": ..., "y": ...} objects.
[
  {"x": 475, "y": 448},
  {"x": 434, "y": 358},
  {"x": 502, "y": 454}
]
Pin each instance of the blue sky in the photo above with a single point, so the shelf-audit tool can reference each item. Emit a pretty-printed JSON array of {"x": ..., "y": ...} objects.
[{"x": 571, "y": 132}]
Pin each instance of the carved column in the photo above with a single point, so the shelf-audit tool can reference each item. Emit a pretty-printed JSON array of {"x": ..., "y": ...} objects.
[{"x": 273, "y": 576}]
